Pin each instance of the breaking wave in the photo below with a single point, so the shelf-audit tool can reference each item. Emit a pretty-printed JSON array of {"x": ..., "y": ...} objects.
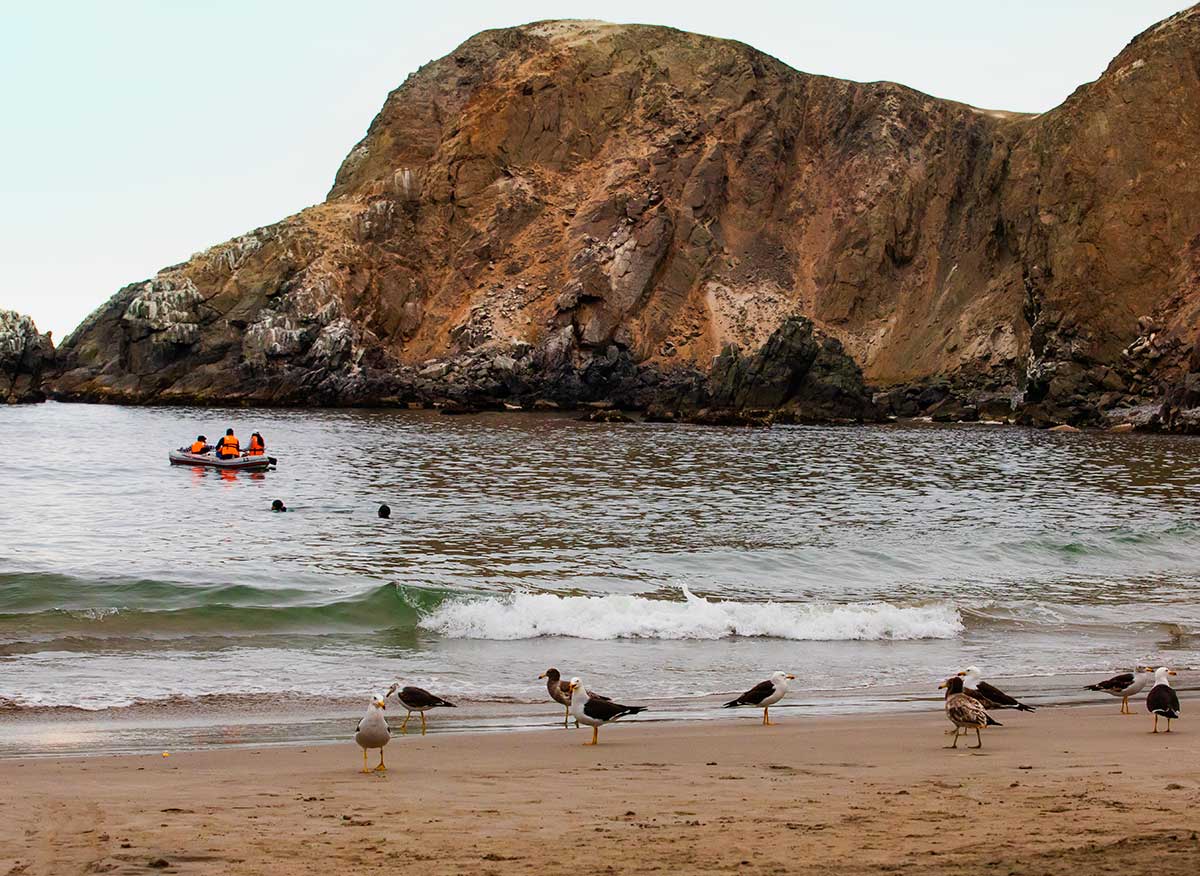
[
  {"x": 532, "y": 615},
  {"x": 43, "y": 611}
]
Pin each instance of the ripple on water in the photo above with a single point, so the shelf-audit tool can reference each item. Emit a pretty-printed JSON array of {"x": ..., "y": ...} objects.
[{"x": 879, "y": 554}]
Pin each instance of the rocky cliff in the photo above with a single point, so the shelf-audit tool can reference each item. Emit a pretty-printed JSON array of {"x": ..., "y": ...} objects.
[
  {"x": 580, "y": 211},
  {"x": 25, "y": 356}
]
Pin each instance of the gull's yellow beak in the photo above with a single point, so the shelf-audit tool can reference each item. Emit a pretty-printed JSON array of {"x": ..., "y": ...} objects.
[
  {"x": 543, "y": 675},
  {"x": 791, "y": 678},
  {"x": 381, "y": 704},
  {"x": 964, "y": 672},
  {"x": 1172, "y": 672},
  {"x": 943, "y": 685},
  {"x": 574, "y": 688}
]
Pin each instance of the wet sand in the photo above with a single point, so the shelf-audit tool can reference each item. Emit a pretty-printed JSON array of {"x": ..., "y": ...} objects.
[{"x": 1065, "y": 789}]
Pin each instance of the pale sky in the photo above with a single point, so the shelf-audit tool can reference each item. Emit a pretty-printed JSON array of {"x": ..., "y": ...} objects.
[{"x": 136, "y": 132}]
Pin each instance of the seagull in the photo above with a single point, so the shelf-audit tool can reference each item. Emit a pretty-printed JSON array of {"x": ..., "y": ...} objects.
[
  {"x": 416, "y": 699},
  {"x": 372, "y": 732},
  {"x": 991, "y": 722},
  {"x": 1125, "y": 685},
  {"x": 594, "y": 712},
  {"x": 764, "y": 695},
  {"x": 560, "y": 692},
  {"x": 991, "y": 697},
  {"x": 1162, "y": 701},
  {"x": 964, "y": 711}
]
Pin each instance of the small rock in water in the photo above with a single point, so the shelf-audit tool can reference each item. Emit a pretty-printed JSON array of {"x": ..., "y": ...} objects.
[{"x": 1063, "y": 428}]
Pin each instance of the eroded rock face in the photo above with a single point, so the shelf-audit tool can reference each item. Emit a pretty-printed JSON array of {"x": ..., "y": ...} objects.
[
  {"x": 574, "y": 211},
  {"x": 25, "y": 356}
]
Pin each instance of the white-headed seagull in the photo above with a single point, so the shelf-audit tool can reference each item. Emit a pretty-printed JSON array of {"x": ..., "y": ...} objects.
[
  {"x": 594, "y": 711},
  {"x": 1162, "y": 701},
  {"x": 1125, "y": 685},
  {"x": 372, "y": 732},
  {"x": 560, "y": 692},
  {"x": 764, "y": 695}
]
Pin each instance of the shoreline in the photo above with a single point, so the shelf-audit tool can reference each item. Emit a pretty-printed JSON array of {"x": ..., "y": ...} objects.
[
  {"x": 205, "y": 725},
  {"x": 1139, "y": 419},
  {"x": 1079, "y": 788}
]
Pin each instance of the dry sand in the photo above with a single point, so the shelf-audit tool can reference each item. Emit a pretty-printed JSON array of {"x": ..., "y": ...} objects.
[{"x": 1064, "y": 790}]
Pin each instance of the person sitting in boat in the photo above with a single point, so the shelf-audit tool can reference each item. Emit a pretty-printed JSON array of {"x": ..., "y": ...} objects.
[
  {"x": 200, "y": 445},
  {"x": 228, "y": 447},
  {"x": 257, "y": 446}
]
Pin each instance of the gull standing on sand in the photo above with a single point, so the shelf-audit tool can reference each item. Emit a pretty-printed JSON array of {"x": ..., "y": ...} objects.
[
  {"x": 594, "y": 711},
  {"x": 764, "y": 695},
  {"x": 1125, "y": 685},
  {"x": 560, "y": 692},
  {"x": 372, "y": 732},
  {"x": 1162, "y": 701},
  {"x": 965, "y": 712},
  {"x": 990, "y": 697},
  {"x": 416, "y": 699}
]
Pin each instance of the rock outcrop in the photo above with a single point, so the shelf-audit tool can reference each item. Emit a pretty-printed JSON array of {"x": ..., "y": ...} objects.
[
  {"x": 796, "y": 372},
  {"x": 580, "y": 211},
  {"x": 25, "y": 356}
]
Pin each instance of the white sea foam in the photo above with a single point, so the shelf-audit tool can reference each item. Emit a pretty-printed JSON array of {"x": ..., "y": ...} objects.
[{"x": 530, "y": 615}]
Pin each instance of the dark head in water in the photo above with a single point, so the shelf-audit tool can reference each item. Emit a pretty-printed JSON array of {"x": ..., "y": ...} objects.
[
  {"x": 228, "y": 431},
  {"x": 201, "y": 438},
  {"x": 278, "y": 505},
  {"x": 385, "y": 512}
]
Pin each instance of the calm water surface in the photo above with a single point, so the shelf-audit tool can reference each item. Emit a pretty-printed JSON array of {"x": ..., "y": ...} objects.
[{"x": 666, "y": 563}]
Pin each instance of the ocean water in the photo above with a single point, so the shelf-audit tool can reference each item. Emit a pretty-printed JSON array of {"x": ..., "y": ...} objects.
[{"x": 663, "y": 563}]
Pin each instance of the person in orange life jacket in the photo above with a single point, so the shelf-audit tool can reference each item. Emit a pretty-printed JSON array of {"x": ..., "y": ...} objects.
[
  {"x": 228, "y": 447},
  {"x": 200, "y": 445},
  {"x": 257, "y": 446}
]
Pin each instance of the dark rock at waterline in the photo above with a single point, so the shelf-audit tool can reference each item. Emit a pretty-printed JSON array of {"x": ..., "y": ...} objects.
[
  {"x": 728, "y": 417},
  {"x": 899, "y": 402},
  {"x": 1076, "y": 411},
  {"x": 660, "y": 414},
  {"x": 26, "y": 357},
  {"x": 951, "y": 410},
  {"x": 606, "y": 415},
  {"x": 995, "y": 408},
  {"x": 930, "y": 397},
  {"x": 799, "y": 370},
  {"x": 458, "y": 409}
]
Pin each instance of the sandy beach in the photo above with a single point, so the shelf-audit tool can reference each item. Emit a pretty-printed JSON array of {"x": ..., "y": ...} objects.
[{"x": 1066, "y": 789}]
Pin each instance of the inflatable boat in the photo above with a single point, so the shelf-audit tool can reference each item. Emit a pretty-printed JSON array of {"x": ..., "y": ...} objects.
[{"x": 239, "y": 463}]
